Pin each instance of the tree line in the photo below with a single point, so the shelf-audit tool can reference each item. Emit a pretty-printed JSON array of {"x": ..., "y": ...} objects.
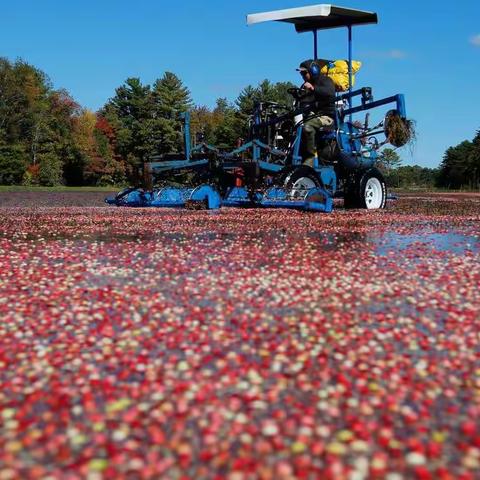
[
  {"x": 459, "y": 169},
  {"x": 47, "y": 138}
]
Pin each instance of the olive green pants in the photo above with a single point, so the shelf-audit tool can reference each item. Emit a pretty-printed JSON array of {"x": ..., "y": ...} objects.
[{"x": 311, "y": 128}]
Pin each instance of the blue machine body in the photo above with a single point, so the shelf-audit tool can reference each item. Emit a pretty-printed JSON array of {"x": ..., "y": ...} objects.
[
  {"x": 207, "y": 197},
  {"x": 357, "y": 145}
]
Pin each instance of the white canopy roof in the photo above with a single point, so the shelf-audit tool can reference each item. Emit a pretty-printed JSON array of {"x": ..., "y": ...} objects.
[{"x": 316, "y": 17}]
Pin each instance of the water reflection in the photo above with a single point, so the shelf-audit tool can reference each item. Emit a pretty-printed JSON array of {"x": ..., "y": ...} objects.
[{"x": 452, "y": 242}]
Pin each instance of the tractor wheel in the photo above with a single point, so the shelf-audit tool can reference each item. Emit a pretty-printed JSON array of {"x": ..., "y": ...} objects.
[
  {"x": 367, "y": 190},
  {"x": 299, "y": 180}
]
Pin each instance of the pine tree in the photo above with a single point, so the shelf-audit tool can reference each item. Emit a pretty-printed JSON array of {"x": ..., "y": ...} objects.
[
  {"x": 170, "y": 100},
  {"x": 389, "y": 159},
  {"x": 455, "y": 169},
  {"x": 474, "y": 162},
  {"x": 246, "y": 100},
  {"x": 131, "y": 114}
]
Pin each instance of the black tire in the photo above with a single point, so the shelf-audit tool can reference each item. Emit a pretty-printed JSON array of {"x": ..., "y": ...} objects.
[
  {"x": 300, "y": 179},
  {"x": 366, "y": 190}
]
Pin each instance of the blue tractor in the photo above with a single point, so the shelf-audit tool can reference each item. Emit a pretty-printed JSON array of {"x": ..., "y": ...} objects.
[{"x": 267, "y": 170}]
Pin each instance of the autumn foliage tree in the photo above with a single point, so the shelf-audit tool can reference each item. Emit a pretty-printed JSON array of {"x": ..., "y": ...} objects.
[
  {"x": 107, "y": 167},
  {"x": 24, "y": 95}
]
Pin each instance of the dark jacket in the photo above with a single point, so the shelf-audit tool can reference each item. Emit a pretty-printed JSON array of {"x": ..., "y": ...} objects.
[{"x": 322, "y": 99}]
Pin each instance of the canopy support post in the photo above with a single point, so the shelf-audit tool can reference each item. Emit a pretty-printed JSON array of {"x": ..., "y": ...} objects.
[
  {"x": 315, "y": 45},
  {"x": 350, "y": 73}
]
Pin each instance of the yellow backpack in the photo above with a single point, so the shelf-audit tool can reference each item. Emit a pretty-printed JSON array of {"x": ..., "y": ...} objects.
[{"x": 338, "y": 71}]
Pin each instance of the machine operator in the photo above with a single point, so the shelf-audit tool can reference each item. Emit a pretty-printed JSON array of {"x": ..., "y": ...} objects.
[{"x": 319, "y": 102}]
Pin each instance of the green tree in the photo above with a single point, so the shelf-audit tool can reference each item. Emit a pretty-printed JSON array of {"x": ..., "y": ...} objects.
[
  {"x": 413, "y": 177},
  {"x": 50, "y": 170},
  {"x": 13, "y": 162},
  {"x": 454, "y": 169},
  {"x": 246, "y": 100},
  {"x": 219, "y": 126},
  {"x": 24, "y": 93},
  {"x": 474, "y": 162},
  {"x": 146, "y": 120},
  {"x": 265, "y": 91},
  {"x": 388, "y": 162},
  {"x": 40, "y": 120},
  {"x": 130, "y": 112},
  {"x": 202, "y": 125},
  {"x": 170, "y": 99},
  {"x": 58, "y": 143},
  {"x": 389, "y": 159},
  {"x": 281, "y": 93},
  {"x": 226, "y": 131}
]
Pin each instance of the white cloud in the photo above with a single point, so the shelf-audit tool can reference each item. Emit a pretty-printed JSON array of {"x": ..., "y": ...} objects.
[
  {"x": 396, "y": 54},
  {"x": 475, "y": 40},
  {"x": 393, "y": 54}
]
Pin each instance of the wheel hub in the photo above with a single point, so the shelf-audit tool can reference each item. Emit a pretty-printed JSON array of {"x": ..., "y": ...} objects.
[
  {"x": 301, "y": 186},
  {"x": 373, "y": 193}
]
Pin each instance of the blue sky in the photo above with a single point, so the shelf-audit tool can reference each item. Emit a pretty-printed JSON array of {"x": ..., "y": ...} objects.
[{"x": 428, "y": 50}]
